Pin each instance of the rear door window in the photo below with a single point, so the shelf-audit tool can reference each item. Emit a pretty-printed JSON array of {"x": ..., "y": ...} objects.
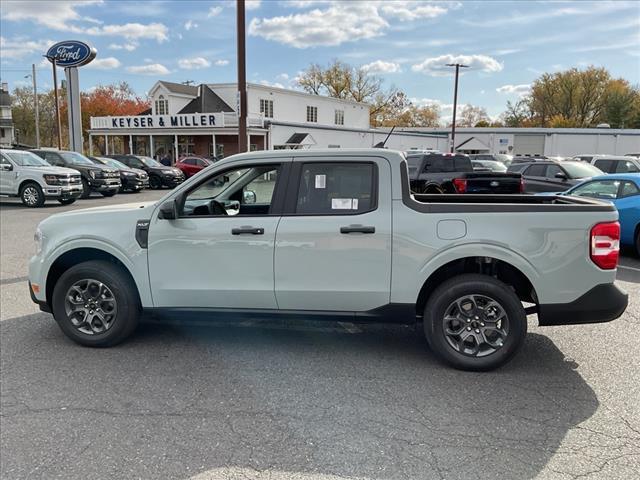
[
  {"x": 336, "y": 188},
  {"x": 607, "y": 166},
  {"x": 536, "y": 170},
  {"x": 626, "y": 166}
]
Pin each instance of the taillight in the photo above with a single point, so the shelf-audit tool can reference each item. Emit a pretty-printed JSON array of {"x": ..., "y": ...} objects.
[
  {"x": 521, "y": 184},
  {"x": 605, "y": 245},
  {"x": 460, "y": 185}
]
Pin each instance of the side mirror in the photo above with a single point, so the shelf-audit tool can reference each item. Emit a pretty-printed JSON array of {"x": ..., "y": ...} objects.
[
  {"x": 169, "y": 210},
  {"x": 6, "y": 167},
  {"x": 248, "y": 196},
  {"x": 561, "y": 176}
]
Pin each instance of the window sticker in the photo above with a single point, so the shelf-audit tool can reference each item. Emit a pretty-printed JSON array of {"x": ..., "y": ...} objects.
[
  {"x": 321, "y": 181},
  {"x": 341, "y": 204}
]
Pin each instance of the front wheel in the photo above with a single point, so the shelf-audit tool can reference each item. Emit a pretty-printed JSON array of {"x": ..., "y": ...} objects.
[
  {"x": 638, "y": 240},
  {"x": 86, "y": 189},
  {"x": 66, "y": 201},
  {"x": 475, "y": 322},
  {"x": 96, "y": 304},
  {"x": 155, "y": 182},
  {"x": 32, "y": 195}
]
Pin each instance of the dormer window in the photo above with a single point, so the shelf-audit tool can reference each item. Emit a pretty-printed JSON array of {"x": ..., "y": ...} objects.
[{"x": 162, "y": 106}]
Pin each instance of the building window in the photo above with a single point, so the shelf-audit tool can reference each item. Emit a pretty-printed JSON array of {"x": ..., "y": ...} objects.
[
  {"x": 339, "y": 117},
  {"x": 162, "y": 106},
  {"x": 266, "y": 108},
  {"x": 312, "y": 114}
]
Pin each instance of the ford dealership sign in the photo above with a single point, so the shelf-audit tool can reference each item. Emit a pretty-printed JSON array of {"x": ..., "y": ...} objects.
[{"x": 71, "y": 53}]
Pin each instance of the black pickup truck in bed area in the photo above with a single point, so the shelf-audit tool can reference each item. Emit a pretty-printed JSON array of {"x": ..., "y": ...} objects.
[{"x": 453, "y": 173}]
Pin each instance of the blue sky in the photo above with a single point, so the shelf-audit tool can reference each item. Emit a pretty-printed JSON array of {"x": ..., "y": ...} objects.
[{"x": 508, "y": 44}]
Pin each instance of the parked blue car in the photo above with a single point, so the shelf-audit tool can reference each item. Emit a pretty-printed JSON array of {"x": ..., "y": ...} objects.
[{"x": 623, "y": 190}]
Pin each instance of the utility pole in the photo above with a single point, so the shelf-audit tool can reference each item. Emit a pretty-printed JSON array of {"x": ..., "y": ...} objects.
[
  {"x": 455, "y": 104},
  {"x": 36, "y": 103},
  {"x": 55, "y": 93},
  {"x": 242, "y": 78}
]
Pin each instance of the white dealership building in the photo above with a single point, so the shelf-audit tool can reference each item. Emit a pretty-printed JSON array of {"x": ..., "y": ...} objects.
[{"x": 202, "y": 120}]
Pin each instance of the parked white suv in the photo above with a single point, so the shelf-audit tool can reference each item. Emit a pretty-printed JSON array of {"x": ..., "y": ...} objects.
[
  {"x": 612, "y": 163},
  {"x": 29, "y": 177}
]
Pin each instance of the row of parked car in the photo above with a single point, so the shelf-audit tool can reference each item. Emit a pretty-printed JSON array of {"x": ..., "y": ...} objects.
[
  {"x": 606, "y": 177},
  {"x": 45, "y": 174}
]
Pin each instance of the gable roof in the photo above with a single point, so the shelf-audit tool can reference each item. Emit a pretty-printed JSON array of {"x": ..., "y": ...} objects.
[
  {"x": 179, "y": 88},
  {"x": 207, "y": 101},
  {"x": 473, "y": 144}
]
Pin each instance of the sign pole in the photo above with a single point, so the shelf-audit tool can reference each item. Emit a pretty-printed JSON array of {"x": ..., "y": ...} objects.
[
  {"x": 242, "y": 78},
  {"x": 36, "y": 104},
  {"x": 55, "y": 91},
  {"x": 74, "y": 113}
]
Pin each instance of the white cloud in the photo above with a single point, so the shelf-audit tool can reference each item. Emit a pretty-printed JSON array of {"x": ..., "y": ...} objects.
[
  {"x": 104, "y": 63},
  {"x": 507, "y": 51},
  {"x": 194, "y": 63},
  {"x": 151, "y": 69},
  {"x": 20, "y": 47},
  {"x": 267, "y": 83},
  {"x": 189, "y": 24},
  {"x": 332, "y": 26},
  {"x": 221, "y": 63},
  {"x": 380, "y": 66},
  {"x": 520, "y": 90},
  {"x": 283, "y": 76},
  {"x": 129, "y": 47},
  {"x": 252, "y": 4},
  {"x": 436, "y": 66},
  {"x": 54, "y": 14},
  {"x": 214, "y": 12},
  {"x": 412, "y": 10},
  {"x": 63, "y": 16},
  {"x": 133, "y": 31}
]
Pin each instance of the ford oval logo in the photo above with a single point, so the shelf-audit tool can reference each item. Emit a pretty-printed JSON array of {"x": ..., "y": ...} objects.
[
  {"x": 71, "y": 53},
  {"x": 494, "y": 183}
]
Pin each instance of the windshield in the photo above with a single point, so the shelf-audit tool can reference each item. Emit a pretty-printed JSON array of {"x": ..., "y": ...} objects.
[
  {"x": 150, "y": 162},
  {"x": 27, "y": 159},
  {"x": 76, "y": 158},
  {"x": 493, "y": 165},
  {"x": 114, "y": 163},
  {"x": 580, "y": 169}
]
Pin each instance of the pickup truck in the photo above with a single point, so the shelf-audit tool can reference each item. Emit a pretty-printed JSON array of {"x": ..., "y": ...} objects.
[
  {"x": 453, "y": 173},
  {"x": 332, "y": 234},
  {"x": 28, "y": 177}
]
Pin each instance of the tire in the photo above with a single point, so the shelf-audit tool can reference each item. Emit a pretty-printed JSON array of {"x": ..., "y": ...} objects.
[
  {"x": 638, "y": 241},
  {"x": 119, "y": 289},
  {"x": 86, "y": 189},
  {"x": 155, "y": 182},
  {"x": 474, "y": 324},
  {"x": 109, "y": 193},
  {"x": 32, "y": 195},
  {"x": 67, "y": 201}
]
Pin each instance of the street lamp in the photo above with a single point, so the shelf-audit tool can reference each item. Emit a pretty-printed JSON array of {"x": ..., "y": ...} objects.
[
  {"x": 455, "y": 103},
  {"x": 35, "y": 103}
]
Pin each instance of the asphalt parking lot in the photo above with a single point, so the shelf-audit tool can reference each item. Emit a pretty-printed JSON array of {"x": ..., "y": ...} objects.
[{"x": 305, "y": 400}]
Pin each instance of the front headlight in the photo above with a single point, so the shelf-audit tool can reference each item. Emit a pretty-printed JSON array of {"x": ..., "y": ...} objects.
[
  {"x": 51, "y": 179},
  {"x": 38, "y": 238},
  {"x": 169, "y": 173},
  {"x": 129, "y": 174}
]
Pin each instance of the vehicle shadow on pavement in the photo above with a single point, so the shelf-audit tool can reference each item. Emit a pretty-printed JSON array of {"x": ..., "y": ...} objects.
[{"x": 313, "y": 400}]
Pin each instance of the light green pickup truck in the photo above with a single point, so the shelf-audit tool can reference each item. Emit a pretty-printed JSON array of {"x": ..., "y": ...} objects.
[{"x": 333, "y": 234}]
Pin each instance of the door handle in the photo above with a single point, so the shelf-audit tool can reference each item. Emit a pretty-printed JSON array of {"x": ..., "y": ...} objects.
[
  {"x": 247, "y": 230},
  {"x": 357, "y": 229}
]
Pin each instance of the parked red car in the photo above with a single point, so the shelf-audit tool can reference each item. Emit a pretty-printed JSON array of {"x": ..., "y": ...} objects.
[{"x": 191, "y": 165}]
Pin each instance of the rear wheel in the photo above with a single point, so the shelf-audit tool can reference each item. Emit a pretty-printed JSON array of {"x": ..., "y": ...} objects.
[
  {"x": 638, "y": 240},
  {"x": 475, "y": 322},
  {"x": 32, "y": 195},
  {"x": 96, "y": 304},
  {"x": 67, "y": 201},
  {"x": 155, "y": 182}
]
